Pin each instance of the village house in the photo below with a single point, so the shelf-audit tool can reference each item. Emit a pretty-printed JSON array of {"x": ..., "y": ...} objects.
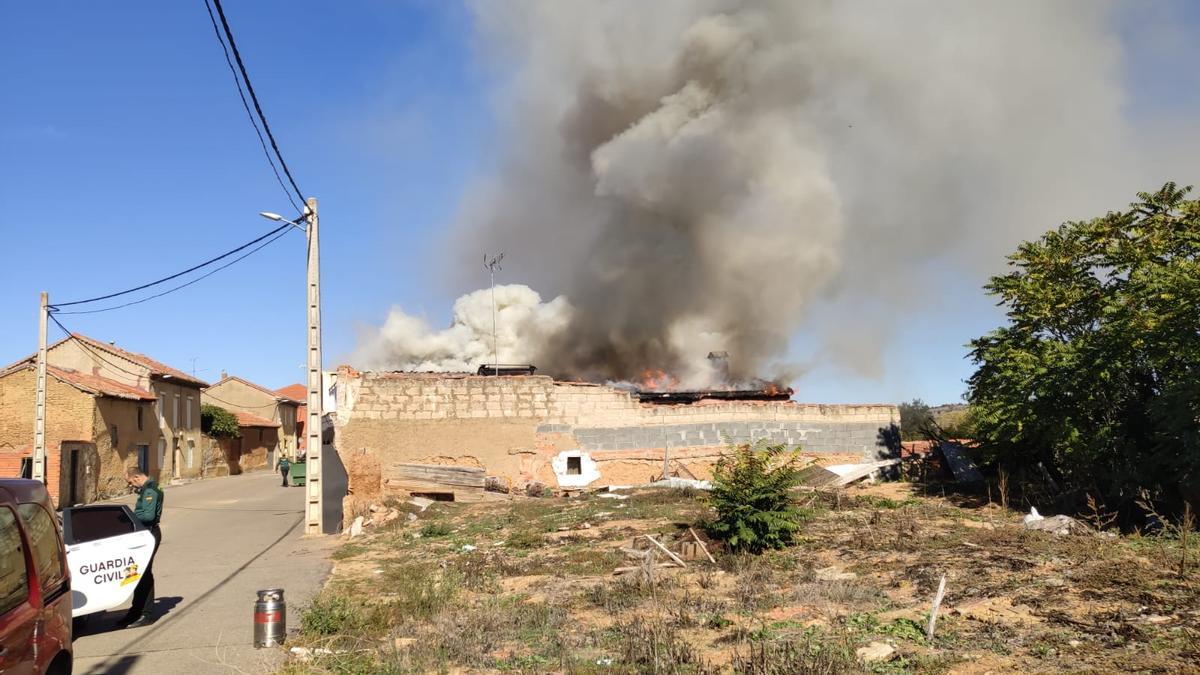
[
  {"x": 298, "y": 392},
  {"x": 106, "y": 409},
  {"x": 267, "y": 420}
]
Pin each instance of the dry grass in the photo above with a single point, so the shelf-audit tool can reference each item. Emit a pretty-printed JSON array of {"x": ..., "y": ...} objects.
[{"x": 538, "y": 595}]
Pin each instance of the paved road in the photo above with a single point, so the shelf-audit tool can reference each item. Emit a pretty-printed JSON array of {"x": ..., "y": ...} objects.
[{"x": 223, "y": 539}]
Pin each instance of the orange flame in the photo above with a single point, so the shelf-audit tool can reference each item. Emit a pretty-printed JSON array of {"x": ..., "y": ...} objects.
[{"x": 657, "y": 380}]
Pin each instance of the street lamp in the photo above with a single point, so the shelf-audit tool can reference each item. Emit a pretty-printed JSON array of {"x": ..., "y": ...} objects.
[
  {"x": 278, "y": 218},
  {"x": 314, "y": 498}
]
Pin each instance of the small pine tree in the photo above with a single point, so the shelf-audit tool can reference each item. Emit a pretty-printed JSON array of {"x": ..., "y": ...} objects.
[{"x": 752, "y": 494}]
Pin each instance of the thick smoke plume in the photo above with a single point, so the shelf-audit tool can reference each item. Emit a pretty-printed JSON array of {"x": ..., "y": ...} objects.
[{"x": 701, "y": 175}]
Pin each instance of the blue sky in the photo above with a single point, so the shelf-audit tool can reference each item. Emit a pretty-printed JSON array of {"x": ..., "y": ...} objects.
[{"x": 125, "y": 155}]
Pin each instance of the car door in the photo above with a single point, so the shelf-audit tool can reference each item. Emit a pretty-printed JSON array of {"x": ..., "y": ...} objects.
[
  {"x": 18, "y": 617},
  {"x": 107, "y": 548}
]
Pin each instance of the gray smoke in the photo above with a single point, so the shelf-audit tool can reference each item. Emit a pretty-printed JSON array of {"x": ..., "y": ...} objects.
[{"x": 701, "y": 175}]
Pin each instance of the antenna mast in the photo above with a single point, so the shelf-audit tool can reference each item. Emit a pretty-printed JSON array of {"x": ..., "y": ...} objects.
[{"x": 493, "y": 266}]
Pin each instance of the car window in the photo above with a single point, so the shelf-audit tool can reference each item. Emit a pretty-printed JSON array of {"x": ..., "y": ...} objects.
[
  {"x": 99, "y": 522},
  {"x": 43, "y": 538},
  {"x": 14, "y": 581}
]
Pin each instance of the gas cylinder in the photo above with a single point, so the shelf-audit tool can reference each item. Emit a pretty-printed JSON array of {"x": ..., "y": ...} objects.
[{"x": 270, "y": 618}]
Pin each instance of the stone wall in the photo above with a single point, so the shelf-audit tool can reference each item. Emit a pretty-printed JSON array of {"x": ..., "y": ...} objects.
[
  {"x": 69, "y": 419},
  {"x": 515, "y": 427}
]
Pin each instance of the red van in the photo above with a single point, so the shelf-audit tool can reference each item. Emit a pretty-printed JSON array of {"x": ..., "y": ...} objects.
[{"x": 35, "y": 586}]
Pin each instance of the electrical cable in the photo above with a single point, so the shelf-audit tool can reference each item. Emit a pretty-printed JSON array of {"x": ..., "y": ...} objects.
[
  {"x": 253, "y": 97},
  {"x": 95, "y": 356},
  {"x": 279, "y": 231},
  {"x": 237, "y": 81}
]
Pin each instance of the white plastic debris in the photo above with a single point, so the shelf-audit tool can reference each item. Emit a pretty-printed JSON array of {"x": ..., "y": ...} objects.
[
  {"x": 356, "y": 528},
  {"x": 612, "y": 495},
  {"x": 1033, "y": 516},
  {"x": 467, "y": 548}
]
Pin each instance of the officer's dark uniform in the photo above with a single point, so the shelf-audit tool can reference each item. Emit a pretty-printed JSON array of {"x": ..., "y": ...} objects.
[
  {"x": 284, "y": 465},
  {"x": 149, "y": 511}
]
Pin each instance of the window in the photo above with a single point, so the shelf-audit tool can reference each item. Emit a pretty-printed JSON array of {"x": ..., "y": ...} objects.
[
  {"x": 98, "y": 522},
  {"x": 112, "y": 436},
  {"x": 144, "y": 458},
  {"x": 139, "y": 418},
  {"x": 188, "y": 413},
  {"x": 162, "y": 410},
  {"x": 47, "y": 549},
  {"x": 260, "y": 435},
  {"x": 175, "y": 412},
  {"x": 14, "y": 578},
  {"x": 162, "y": 454},
  {"x": 191, "y": 452},
  {"x": 26, "y": 467},
  {"x": 574, "y": 466}
]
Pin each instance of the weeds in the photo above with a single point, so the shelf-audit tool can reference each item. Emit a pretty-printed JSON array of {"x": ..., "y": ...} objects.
[
  {"x": 810, "y": 655},
  {"x": 652, "y": 647},
  {"x": 434, "y": 530}
]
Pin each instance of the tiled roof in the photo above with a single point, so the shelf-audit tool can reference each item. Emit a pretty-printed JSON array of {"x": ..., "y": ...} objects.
[
  {"x": 157, "y": 368},
  {"x": 246, "y": 419},
  {"x": 296, "y": 392},
  {"x": 101, "y": 386},
  {"x": 282, "y": 398}
]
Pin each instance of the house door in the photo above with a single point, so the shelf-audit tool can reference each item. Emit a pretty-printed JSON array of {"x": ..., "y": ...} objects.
[
  {"x": 144, "y": 458},
  {"x": 73, "y": 481}
]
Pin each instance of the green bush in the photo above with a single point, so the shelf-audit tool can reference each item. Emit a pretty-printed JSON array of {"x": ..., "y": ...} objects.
[
  {"x": 219, "y": 422},
  {"x": 753, "y": 499}
]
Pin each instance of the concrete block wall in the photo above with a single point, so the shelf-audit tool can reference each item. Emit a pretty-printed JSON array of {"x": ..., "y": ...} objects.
[{"x": 514, "y": 425}]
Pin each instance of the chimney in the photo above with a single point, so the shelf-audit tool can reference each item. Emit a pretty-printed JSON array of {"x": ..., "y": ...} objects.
[
  {"x": 224, "y": 374},
  {"x": 720, "y": 366}
]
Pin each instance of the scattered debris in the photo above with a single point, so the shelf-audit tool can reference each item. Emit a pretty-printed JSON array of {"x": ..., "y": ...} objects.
[
  {"x": 666, "y": 550},
  {"x": 356, "y": 528},
  {"x": 849, "y": 473},
  {"x": 306, "y": 654},
  {"x": 460, "y": 483},
  {"x": 467, "y": 548},
  {"x": 1059, "y": 524},
  {"x": 703, "y": 548},
  {"x": 612, "y": 495},
  {"x": 937, "y": 603},
  {"x": 960, "y": 464},
  {"x": 412, "y": 517},
  {"x": 818, "y": 476},
  {"x": 875, "y": 651},
  {"x": 420, "y": 502}
]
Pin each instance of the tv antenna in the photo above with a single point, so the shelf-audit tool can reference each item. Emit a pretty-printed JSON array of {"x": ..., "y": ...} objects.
[{"x": 493, "y": 265}]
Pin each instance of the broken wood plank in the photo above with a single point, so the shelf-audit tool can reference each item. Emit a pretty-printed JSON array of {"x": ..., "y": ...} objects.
[
  {"x": 702, "y": 546},
  {"x": 937, "y": 603},
  {"x": 464, "y": 476},
  {"x": 666, "y": 550}
]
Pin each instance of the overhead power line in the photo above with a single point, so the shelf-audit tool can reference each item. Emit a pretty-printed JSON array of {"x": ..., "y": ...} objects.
[
  {"x": 95, "y": 355},
  {"x": 279, "y": 232},
  {"x": 253, "y": 97},
  {"x": 206, "y": 263},
  {"x": 237, "y": 81}
]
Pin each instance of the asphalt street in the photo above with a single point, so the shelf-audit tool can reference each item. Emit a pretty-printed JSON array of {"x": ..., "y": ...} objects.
[{"x": 223, "y": 539}]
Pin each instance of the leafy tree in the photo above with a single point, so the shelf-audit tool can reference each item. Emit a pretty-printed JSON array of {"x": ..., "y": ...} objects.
[
  {"x": 219, "y": 422},
  {"x": 914, "y": 416},
  {"x": 1095, "y": 374},
  {"x": 752, "y": 494}
]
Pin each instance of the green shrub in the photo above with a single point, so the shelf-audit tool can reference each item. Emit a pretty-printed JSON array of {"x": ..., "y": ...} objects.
[
  {"x": 753, "y": 499},
  {"x": 218, "y": 422},
  {"x": 433, "y": 530}
]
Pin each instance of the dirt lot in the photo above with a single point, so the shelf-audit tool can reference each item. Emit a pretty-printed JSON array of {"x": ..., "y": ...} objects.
[{"x": 528, "y": 586}]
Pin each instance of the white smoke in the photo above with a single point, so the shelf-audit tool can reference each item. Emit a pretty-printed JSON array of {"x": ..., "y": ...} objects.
[
  {"x": 702, "y": 175},
  {"x": 523, "y": 323}
]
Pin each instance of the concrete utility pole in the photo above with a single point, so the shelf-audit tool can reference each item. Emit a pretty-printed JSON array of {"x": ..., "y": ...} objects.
[
  {"x": 39, "y": 414},
  {"x": 313, "y": 510}
]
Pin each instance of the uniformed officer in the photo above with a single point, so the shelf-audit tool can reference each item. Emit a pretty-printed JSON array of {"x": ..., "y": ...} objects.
[
  {"x": 284, "y": 465},
  {"x": 149, "y": 511}
]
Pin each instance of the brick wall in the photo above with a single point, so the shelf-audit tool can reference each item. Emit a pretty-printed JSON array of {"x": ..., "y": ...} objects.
[
  {"x": 69, "y": 417},
  {"x": 513, "y": 426}
]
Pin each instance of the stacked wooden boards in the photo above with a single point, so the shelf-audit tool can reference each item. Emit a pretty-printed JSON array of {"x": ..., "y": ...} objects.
[{"x": 465, "y": 483}]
